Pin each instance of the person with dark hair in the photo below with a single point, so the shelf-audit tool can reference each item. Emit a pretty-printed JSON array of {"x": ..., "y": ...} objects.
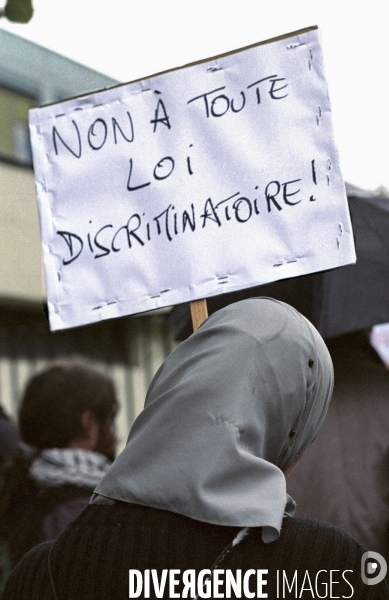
[
  {"x": 66, "y": 425},
  {"x": 69, "y": 405},
  {"x": 196, "y": 504},
  {"x": 9, "y": 437}
]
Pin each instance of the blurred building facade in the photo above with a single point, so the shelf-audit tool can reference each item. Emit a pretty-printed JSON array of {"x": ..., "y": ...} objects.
[{"x": 130, "y": 349}]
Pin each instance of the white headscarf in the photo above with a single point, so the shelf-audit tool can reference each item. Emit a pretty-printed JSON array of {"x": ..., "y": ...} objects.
[{"x": 226, "y": 414}]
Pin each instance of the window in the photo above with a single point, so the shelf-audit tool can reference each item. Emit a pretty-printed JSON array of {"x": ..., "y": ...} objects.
[{"x": 14, "y": 134}]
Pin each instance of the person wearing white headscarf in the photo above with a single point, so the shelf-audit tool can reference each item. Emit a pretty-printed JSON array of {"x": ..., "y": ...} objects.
[
  {"x": 228, "y": 413},
  {"x": 201, "y": 483}
]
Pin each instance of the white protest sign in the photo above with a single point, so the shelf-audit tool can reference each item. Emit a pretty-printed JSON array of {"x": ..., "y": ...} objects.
[{"x": 214, "y": 177}]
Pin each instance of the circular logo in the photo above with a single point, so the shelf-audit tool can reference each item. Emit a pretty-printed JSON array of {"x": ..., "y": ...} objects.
[{"x": 373, "y": 568}]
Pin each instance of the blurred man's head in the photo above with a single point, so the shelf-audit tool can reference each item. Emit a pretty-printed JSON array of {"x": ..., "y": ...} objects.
[{"x": 69, "y": 405}]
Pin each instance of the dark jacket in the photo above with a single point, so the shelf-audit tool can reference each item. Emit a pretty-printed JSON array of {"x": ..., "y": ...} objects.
[
  {"x": 343, "y": 478},
  {"x": 91, "y": 559},
  {"x": 37, "y": 515},
  {"x": 45, "y": 517},
  {"x": 43, "y": 492}
]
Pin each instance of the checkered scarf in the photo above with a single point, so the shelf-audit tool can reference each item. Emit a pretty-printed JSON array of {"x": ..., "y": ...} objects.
[{"x": 75, "y": 466}]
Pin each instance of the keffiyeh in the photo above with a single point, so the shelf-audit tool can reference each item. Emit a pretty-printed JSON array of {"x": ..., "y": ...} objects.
[{"x": 69, "y": 466}]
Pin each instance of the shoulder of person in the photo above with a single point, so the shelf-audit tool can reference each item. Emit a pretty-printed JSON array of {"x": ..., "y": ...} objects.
[{"x": 29, "y": 574}]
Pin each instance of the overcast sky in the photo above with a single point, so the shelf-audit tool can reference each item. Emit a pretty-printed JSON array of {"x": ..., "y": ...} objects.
[{"x": 130, "y": 39}]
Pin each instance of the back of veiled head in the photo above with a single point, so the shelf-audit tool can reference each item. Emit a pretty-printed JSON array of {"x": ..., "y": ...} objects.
[{"x": 227, "y": 413}]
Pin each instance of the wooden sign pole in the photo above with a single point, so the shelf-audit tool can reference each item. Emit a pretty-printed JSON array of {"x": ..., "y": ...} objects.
[{"x": 199, "y": 312}]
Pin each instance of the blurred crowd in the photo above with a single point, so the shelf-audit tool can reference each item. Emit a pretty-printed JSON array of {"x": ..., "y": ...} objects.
[{"x": 56, "y": 454}]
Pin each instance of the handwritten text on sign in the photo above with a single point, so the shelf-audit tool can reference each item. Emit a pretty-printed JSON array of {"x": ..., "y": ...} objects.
[{"x": 214, "y": 177}]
